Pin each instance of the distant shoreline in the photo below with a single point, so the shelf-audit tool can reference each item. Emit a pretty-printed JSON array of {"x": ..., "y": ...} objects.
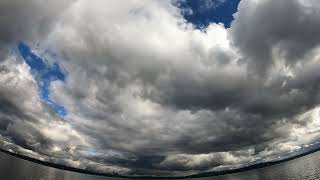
[{"x": 199, "y": 175}]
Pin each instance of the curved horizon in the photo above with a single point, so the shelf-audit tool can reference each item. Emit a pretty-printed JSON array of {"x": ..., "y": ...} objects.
[{"x": 192, "y": 176}]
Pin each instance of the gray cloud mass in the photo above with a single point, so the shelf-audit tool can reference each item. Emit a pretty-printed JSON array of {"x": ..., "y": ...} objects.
[{"x": 149, "y": 94}]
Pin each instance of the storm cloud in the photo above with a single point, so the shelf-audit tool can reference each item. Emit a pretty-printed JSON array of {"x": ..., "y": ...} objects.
[{"x": 147, "y": 93}]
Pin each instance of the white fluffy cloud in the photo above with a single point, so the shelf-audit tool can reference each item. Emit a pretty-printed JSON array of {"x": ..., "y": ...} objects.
[{"x": 147, "y": 93}]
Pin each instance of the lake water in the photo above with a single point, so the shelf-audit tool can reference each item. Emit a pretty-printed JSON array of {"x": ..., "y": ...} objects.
[{"x": 305, "y": 168}]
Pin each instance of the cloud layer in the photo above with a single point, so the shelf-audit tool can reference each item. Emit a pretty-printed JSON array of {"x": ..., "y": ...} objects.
[{"x": 149, "y": 94}]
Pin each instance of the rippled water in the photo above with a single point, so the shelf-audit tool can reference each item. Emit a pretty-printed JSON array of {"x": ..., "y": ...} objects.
[{"x": 305, "y": 168}]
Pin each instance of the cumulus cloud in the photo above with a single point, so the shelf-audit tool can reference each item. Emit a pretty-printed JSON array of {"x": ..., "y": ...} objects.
[
  {"x": 147, "y": 93},
  {"x": 286, "y": 29},
  {"x": 22, "y": 20},
  {"x": 25, "y": 120}
]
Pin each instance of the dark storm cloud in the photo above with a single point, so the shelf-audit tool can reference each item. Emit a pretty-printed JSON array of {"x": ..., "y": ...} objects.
[{"x": 13, "y": 125}]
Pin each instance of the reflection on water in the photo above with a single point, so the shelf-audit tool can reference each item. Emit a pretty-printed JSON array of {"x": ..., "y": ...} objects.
[{"x": 305, "y": 168}]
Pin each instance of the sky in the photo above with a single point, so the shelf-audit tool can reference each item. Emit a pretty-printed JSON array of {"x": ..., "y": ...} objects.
[
  {"x": 44, "y": 73},
  {"x": 165, "y": 88},
  {"x": 200, "y": 14},
  {"x": 203, "y": 12}
]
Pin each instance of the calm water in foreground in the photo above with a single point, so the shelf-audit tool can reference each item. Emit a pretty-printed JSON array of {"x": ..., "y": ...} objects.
[{"x": 305, "y": 168}]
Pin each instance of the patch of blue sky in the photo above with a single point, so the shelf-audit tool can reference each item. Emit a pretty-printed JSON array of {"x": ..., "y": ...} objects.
[
  {"x": 44, "y": 73},
  {"x": 203, "y": 12}
]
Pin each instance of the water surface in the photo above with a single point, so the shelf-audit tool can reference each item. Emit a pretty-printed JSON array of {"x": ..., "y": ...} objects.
[{"x": 305, "y": 168}]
